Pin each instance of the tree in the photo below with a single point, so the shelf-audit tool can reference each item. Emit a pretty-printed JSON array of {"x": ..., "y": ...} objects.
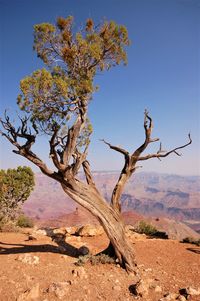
[
  {"x": 56, "y": 102},
  {"x": 15, "y": 188}
]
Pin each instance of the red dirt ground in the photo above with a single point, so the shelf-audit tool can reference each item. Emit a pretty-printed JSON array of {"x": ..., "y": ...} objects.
[{"x": 171, "y": 266}]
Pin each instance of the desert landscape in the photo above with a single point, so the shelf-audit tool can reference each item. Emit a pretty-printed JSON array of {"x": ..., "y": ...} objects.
[
  {"x": 99, "y": 164},
  {"x": 150, "y": 195},
  {"x": 35, "y": 267},
  {"x": 55, "y": 259}
]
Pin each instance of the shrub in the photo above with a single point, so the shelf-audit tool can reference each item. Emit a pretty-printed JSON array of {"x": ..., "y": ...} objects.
[
  {"x": 24, "y": 221},
  {"x": 95, "y": 259},
  {"x": 191, "y": 240},
  {"x": 9, "y": 226},
  {"x": 145, "y": 228}
]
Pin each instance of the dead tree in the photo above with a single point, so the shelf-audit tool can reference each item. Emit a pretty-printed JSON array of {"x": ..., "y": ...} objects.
[{"x": 51, "y": 98}]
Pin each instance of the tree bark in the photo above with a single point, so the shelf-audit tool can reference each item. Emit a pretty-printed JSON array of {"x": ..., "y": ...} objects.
[{"x": 110, "y": 219}]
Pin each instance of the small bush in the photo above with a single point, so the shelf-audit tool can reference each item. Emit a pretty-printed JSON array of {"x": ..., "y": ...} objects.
[
  {"x": 24, "y": 222},
  {"x": 145, "y": 228},
  {"x": 190, "y": 240},
  {"x": 95, "y": 259},
  {"x": 9, "y": 226}
]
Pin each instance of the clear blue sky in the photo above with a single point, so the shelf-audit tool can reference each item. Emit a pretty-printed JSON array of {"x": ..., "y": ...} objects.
[{"x": 163, "y": 75}]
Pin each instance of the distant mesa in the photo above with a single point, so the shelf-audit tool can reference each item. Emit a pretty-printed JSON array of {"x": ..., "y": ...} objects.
[{"x": 146, "y": 194}]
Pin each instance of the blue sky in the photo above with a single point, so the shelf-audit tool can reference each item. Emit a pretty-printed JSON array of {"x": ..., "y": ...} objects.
[{"x": 163, "y": 75}]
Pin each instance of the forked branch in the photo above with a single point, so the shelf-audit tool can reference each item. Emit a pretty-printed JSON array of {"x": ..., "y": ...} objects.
[
  {"x": 24, "y": 149},
  {"x": 130, "y": 161},
  {"x": 161, "y": 153}
]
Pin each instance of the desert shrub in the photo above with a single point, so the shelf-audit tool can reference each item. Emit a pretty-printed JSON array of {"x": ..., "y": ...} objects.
[
  {"x": 95, "y": 259},
  {"x": 145, "y": 228},
  {"x": 191, "y": 240},
  {"x": 9, "y": 226},
  {"x": 24, "y": 221}
]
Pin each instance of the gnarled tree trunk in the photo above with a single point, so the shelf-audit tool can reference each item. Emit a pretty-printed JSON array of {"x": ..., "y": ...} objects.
[{"x": 109, "y": 218}]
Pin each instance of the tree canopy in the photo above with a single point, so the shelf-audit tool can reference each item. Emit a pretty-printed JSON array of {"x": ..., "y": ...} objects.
[{"x": 52, "y": 95}]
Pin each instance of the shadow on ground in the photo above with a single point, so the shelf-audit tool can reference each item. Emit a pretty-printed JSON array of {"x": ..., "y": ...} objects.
[
  {"x": 194, "y": 250},
  {"x": 64, "y": 248}
]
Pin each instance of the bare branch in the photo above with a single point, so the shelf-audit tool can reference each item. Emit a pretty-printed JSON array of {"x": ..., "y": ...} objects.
[
  {"x": 53, "y": 153},
  {"x": 88, "y": 174},
  {"x": 162, "y": 154},
  {"x": 12, "y": 135},
  {"x": 117, "y": 148},
  {"x": 148, "y": 127}
]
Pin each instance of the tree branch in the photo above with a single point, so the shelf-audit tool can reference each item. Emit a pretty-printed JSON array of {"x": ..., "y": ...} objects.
[
  {"x": 12, "y": 135},
  {"x": 53, "y": 153},
  {"x": 148, "y": 127},
  {"x": 162, "y": 154},
  {"x": 117, "y": 148},
  {"x": 88, "y": 174}
]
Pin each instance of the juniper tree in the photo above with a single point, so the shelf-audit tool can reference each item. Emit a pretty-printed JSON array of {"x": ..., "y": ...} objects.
[
  {"x": 55, "y": 100},
  {"x": 15, "y": 188}
]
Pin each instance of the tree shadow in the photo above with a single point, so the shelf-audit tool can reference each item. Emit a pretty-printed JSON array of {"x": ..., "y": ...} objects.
[
  {"x": 62, "y": 248},
  {"x": 194, "y": 250}
]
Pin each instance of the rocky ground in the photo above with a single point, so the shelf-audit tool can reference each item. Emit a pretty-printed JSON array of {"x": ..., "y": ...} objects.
[{"x": 35, "y": 267}]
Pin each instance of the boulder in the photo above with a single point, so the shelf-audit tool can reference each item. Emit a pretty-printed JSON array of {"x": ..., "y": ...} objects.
[
  {"x": 83, "y": 250},
  {"x": 189, "y": 291},
  {"x": 71, "y": 230},
  {"x": 89, "y": 230},
  {"x": 60, "y": 231},
  {"x": 39, "y": 232}
]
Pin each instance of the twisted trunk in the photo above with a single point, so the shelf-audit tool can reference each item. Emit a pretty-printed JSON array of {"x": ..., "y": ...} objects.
[{"x": 110, "y": 219}]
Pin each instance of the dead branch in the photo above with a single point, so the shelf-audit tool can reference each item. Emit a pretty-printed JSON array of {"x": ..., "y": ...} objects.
[
  {"x": 161, "y": 153},
  {"x": 117, "y": 148},
  {"x": 12, "y": 134},
  {"x": 148, "y": 127}
]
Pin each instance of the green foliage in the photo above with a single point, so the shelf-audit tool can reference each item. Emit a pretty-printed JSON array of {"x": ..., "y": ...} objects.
[
  {"x": 191, "y": 240},
  {"x": 84, "y": 138},
  {"x": 73, "y": 59},
  {"x": 145, "y": 228},
  {"x": 15, "y": 187},
  {"x": 24, "y": 221}
]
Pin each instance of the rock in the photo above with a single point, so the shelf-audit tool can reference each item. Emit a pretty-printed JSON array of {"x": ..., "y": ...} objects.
[
  {"x": 60, "y": 231},
  {"x": 40, "y": 232},
  {"x": 83, "y": 251},
  {"x": 89, "y": 230},
  {"x": 29, "y": 259},
  {"x": 71, "y": 230},
  {"x": 170, "y": 297},
  {"x": 58, "y": 237},
  {"x": 189, "y": 291},
  {"x": 142, "y": 287},
  {"x": 32, "y": 294},
  {"x": 60, "y": 289},
  {"x": 193, "y": 292},
  {"x": 31, "y": 237},
  {"x": 116, "y": 288},
  {"x": 181, "y": 298},
  {"x": 80, "y": 273},
  {"x": 158, "y": 289}
]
